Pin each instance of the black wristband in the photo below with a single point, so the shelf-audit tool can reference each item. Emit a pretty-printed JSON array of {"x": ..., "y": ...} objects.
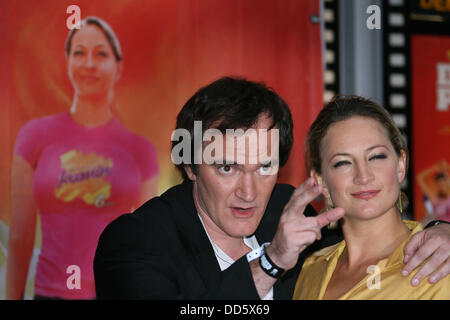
[
  {"x": 435, "y": 223},
  {"x": 269, "y": 267}
]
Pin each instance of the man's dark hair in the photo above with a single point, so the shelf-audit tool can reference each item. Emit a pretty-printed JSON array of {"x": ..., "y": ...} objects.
[{"x": 235, "y": 103}]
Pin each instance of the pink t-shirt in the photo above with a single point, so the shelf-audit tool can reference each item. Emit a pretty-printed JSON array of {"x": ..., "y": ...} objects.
[{"x": 83, "y": 179}]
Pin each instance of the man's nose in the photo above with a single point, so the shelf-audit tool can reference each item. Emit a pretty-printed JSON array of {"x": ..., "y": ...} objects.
[
  {"x": 363, "y": 174},
  {"x": 247, "y": 187}
]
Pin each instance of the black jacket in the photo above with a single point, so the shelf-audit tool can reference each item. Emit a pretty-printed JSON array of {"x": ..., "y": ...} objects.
[{"x": 162, "y": 252}]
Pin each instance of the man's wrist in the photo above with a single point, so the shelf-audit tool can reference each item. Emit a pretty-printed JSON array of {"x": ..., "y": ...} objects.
[
  {"x": 435, "y": 223},
  {"x": 263, "y": 282},
  {"x": 265, "y": 262},
  {"x": 268, "y": 266}
]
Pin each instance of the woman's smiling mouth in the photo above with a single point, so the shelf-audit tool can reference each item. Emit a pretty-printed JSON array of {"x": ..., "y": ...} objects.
[{"x": 365, "y": 194}]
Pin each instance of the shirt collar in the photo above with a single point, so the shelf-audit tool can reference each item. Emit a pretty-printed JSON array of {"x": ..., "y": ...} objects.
[{"x": 395, "y": 257}]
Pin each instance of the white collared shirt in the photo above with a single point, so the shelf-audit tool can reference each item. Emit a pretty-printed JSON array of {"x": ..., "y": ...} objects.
[{"x": 225, "y": 261}]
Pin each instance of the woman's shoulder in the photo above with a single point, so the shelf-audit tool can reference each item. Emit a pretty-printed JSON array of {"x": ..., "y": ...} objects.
[
  {"x": 45, "y": 122},
  {"x": 37, "y": 133},
  {"x": 436, "y": 291},
  {"x": 130, "y": 138}
]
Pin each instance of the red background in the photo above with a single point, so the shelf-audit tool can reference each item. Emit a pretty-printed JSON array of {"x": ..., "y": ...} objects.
[
  {"x": 170, "y": 49},
  {"x": 431, "y": 128}
]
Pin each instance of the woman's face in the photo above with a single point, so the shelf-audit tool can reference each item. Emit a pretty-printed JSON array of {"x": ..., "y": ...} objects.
[
  {"x": 93, "y": 68},
  {"x": 361, "y": 171}
]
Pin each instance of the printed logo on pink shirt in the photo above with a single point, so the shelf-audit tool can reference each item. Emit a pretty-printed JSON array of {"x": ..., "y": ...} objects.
[{"x": 82, "y": 177}]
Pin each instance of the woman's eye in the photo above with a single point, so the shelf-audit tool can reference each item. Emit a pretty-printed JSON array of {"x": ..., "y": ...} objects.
[
  {"x": 78, "y": 52},
  {"x": 340, "y": 163},
  {"x": 102, "y": 54},
  {"x": 378, "y": 156}
]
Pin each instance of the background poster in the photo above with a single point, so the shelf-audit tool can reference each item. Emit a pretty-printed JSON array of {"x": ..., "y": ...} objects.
[
  {"x": 170, "y": 49},
  {"x": 430, "y": 112}
]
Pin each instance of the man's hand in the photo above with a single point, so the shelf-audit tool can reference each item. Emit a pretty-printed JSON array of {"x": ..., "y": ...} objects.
[
  {"x": 433, "y": 242},
  {"x": 295, "y": 231}
]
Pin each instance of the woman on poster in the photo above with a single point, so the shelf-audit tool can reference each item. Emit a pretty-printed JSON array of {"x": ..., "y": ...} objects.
[
  {"x": 80, "y": 170},
  {"x": 438, "y": 193}
]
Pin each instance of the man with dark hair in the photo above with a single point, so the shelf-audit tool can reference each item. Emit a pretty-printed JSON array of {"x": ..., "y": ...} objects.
[
  {"x": 232, "y": 103},
  {"x": 229, "y": 231}
]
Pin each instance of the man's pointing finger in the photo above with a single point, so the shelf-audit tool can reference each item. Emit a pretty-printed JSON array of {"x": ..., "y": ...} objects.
[{"x": 330, "y": 216}]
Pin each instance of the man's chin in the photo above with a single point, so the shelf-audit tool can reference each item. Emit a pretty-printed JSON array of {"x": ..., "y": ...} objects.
[{"x": 243, "y": 229}]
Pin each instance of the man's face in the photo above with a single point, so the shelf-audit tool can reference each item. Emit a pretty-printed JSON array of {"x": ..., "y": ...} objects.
[{"x": 231, "y": 197}]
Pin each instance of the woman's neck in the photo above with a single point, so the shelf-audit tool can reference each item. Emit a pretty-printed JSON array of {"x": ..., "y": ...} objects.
[
  {"x": 92, "y": 111},
  {"x": 369, "y": 241}
]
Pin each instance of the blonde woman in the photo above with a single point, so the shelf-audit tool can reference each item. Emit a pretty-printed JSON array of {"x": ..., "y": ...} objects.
[{"x": 358, "y": 159}]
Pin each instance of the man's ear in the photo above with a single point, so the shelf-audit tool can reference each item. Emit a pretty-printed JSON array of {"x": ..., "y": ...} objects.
[
  {"x": 318, "y": 179},
  {"x": 401, "y": 167},
  {"x": 191, "y": 175}
]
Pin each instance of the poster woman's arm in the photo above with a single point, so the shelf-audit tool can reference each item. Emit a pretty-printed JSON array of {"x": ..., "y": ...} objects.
[
  {"x": 22, "y": 228},
  {"x": 423, "y": 185}
]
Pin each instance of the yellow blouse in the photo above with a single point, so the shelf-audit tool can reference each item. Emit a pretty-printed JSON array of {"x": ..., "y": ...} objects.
[{"x": 383, "y": 282}]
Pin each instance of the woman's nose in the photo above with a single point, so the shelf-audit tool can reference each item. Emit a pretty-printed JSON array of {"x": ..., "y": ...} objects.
[
  {"x": 363, "y": 174},
  {"x": 90, "y": 63}
]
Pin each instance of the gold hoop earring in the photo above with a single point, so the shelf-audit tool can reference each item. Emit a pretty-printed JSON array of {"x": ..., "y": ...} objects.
[{"x": 402, "y": 202}]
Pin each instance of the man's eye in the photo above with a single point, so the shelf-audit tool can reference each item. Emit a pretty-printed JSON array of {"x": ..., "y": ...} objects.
[
  {"x": 341, "y": 163},
  {"x": 265, "y": 169},
  {"x": 225, "y": 169}
]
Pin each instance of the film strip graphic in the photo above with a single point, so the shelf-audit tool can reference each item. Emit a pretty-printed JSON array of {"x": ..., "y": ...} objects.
[
  {"x": 396, "y": 77},
  {"x": 331, "y": 48}
]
